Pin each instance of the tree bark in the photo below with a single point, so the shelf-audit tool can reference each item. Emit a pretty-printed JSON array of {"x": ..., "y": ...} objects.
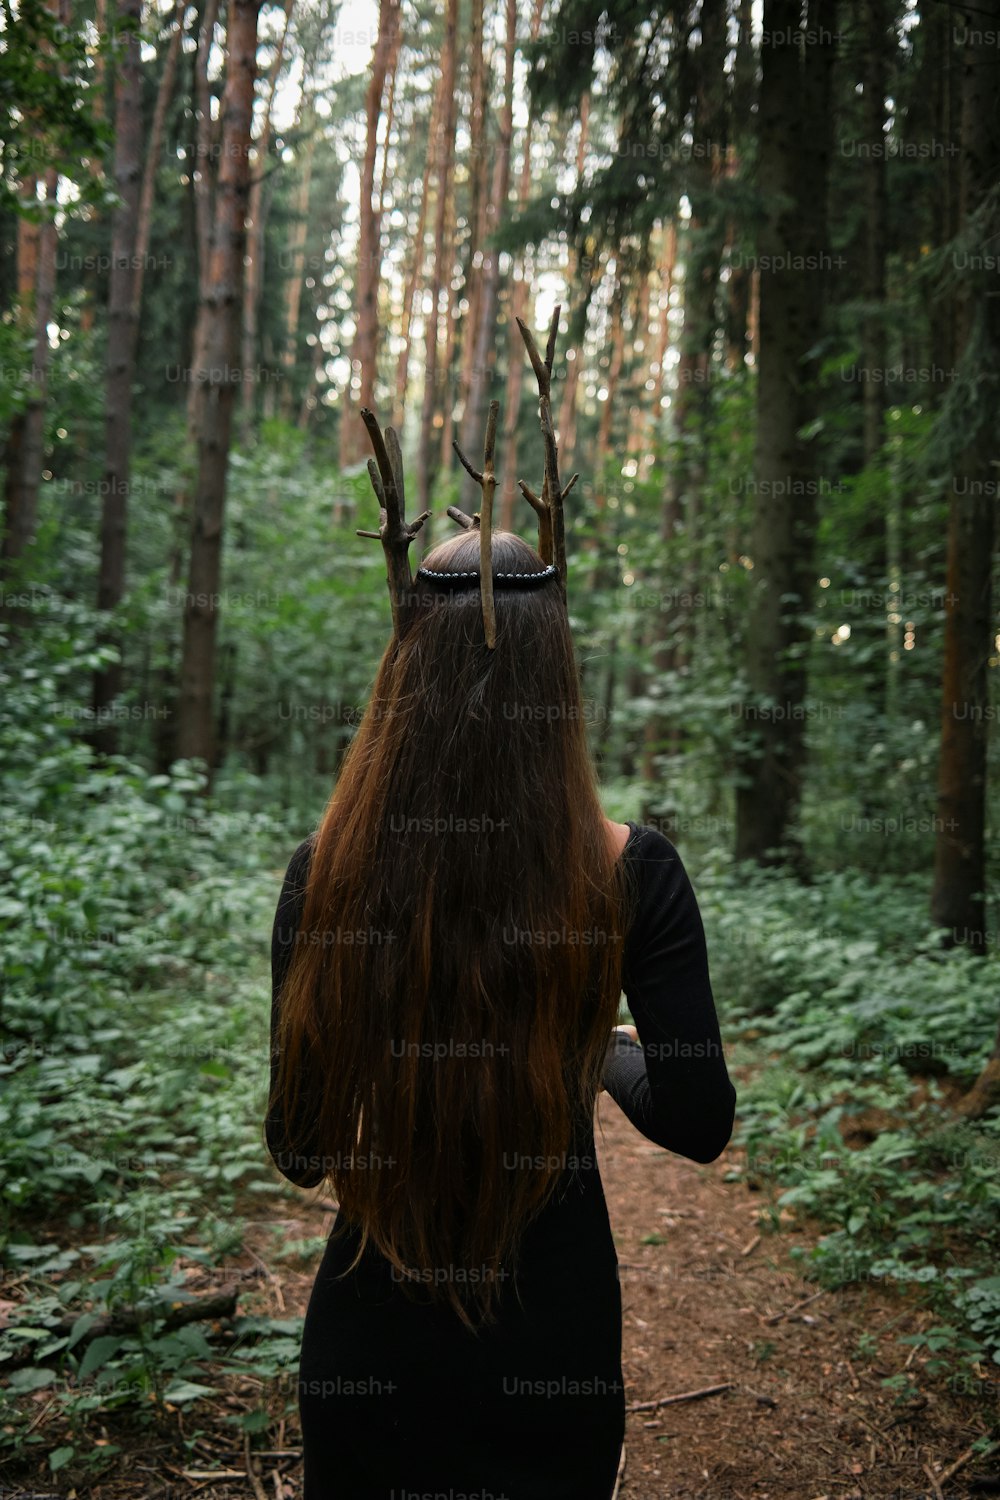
[
  {"x": 478, "y": 172},
  {"x": 216, "y": 385},
  {"x": 702, "y": 258},
  {"x": 445, "y": 155},
  {"x": 24, "y": 457},
  {"x": 794, "y": 152},
  {"x": 413, "y": 279},
  {"x": 668, "y": 264},
  {"x": 364, "y": 350},
  {"x": 203, "y": 182},
  {"x": 484, "y": 359},
  {"x": 120, "y": 359},
  {"x": 958, "y": 896},
  {"x": 164, "y": 94},
  {"x": 518, "y": 307},
  {"x": 297, "y": 259},
  {"x": 587, "y": 276},
  {"x": 254, "y": 271}
]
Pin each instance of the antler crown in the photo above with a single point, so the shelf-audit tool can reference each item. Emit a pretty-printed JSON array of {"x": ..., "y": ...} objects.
[{"x": 395, "y": 533}]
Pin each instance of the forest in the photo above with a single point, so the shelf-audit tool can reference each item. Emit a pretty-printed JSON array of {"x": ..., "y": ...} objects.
[{"x": 768, "y": 232}]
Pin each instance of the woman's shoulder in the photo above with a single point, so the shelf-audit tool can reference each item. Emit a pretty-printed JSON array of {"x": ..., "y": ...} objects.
[
  {"x": 646, "y": 844},
  {"x": 298, "y": 866},
  {"x": 660, "y": 885}
]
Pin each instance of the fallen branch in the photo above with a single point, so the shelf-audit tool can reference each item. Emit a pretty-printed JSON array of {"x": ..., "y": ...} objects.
[
  {"x": 127, "y": 1320},
  {"x": 258, "y": 1489},
  {"x": 970, "y": 1453},
  {"x": 621, "y": 1473},
  {"x": 708, "y": 1390},
  {"x": 935, "y": 1486},
  {"x": 777, "y": 1317}
]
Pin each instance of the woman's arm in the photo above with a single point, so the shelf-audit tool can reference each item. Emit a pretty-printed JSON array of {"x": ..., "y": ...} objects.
[
  {"x": 302, "y": 1164},
  {"x": 673, "y": 1084}
]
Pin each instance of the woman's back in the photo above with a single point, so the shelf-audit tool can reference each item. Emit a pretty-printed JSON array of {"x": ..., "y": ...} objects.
[{"x": 396, "y": 1393}]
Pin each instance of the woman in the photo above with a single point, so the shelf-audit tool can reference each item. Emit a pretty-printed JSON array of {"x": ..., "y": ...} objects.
[{"x": 449, "y": 953}]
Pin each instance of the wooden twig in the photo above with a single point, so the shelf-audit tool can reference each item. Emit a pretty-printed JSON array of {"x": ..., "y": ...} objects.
[
  {"x": 258, "y": 1489},
  {"x": 777, "y": 1317},
  {"x": 549, "y": 506},
  {"x": 463, "y": 518},
  {"x": 621, "y": 1472},
  {"x": 128, "y": 1320},
  {"x": 935, "y": 1486},
  {"x": 707, "y": 1390},
  {"x": 960, "y": 1462},
  {"x": 394, "y": 532},
  {"x": 487, "y": 481}
]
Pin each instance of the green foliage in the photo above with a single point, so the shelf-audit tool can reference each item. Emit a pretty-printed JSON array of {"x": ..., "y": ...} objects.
[
  {"x": 47, "y": 114},
  {"x": 134, "y": 960},
  {"x": 853, "y": 1021}
]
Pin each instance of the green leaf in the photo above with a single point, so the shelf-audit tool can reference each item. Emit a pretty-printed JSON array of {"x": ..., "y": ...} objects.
[
  {"x": 59, "y": 1458},
  {"x": 98, "y": 1354},
  {"x": 82, "y": 1325},
  {"x": 186, "y": 1390},
  {"x": 32, "y": 1379}
]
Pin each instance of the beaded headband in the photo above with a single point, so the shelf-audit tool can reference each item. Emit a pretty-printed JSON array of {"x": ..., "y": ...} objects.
[
  {"x": 473, "y": 579},
  {"x": 396, "y": 533}
]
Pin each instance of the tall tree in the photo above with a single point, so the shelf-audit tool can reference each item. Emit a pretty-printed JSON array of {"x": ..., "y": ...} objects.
[
  {"x": 473, "y": 418},
  {"x": 164, "y": 94},
  {"x": 218, "y": 343},
  {"x": 478, "y": 197},
  {"x": 365, "y": 345},
  {"x": 120, "y": 354},
  {"x": 443, "y": 171},
  {"x": 518, "y": 308},
  {"x": 254, "y": 273},
  {"x": 958, "y": 897},
  {"x": 36, "y": 282},
  {"x": 411, "y": 280},
  {"x": 793, "y": 250}
]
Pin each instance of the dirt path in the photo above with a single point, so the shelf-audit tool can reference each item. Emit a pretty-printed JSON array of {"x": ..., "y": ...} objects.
[
  {"x": 806, "y": 1416},
  {"x": 710, "y": 1297}
]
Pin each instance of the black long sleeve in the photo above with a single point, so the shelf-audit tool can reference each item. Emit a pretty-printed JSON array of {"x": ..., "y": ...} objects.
[
  {"x": 302, "y": 1167},
  {"x": 673, "y": 1084}
]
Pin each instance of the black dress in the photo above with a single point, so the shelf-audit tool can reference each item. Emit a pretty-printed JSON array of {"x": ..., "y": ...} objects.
[{"x": 397, "y": 1399}]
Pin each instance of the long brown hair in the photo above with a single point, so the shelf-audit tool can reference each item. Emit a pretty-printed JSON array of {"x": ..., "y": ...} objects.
[{"x": 457, "y": 971}]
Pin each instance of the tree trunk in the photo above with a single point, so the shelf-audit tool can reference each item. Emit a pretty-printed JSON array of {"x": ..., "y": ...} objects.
[
  {"x": 364, "y": 350},
  {"x": 204, "y": 178},
  {"x": 254, "y": 270},
  {"x": 958, "y": 896},
  {"x": 518, "y": 307},
  {"x": 24, "y": 457},
  {"x": 478, "y": 195},
  {"x": 216, "y": 384},
  {"x": 615, "y": 347},
  {"x": 877, "y": 36},
  {"x": 705, "y": 239},
  {"x": 445, "y": 153},
  {"x": 450, "y": 328},
  {"x": 164, "y": 94},
  {"x": 484, "y": 360},
  {"x": 795, "y": 131},
  {"x": 297, "y": 267},
  {"x": 412, "y": 281},
  {"x": 668, "y": 265},
  {"x": 566, "y": 431},
  {"x": 120, "y": 358}
]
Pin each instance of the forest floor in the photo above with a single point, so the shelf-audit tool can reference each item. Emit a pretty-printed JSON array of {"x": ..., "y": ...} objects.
[{"x": 792, "y": 1404}]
